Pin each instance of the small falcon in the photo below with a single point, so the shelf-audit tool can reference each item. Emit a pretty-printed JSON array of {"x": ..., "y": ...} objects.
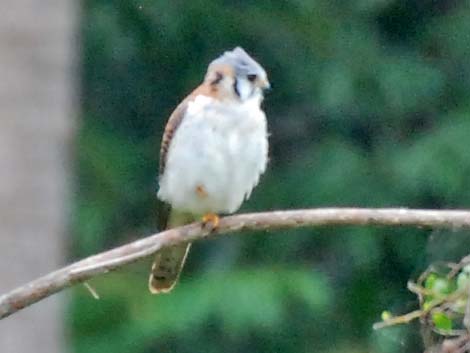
[{"x": 213, "y": 151}]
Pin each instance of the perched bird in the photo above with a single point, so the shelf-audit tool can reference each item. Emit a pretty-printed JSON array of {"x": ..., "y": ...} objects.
[{"x": 213, "y": 151}]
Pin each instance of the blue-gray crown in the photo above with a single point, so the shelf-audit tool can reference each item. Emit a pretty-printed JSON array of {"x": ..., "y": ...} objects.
[{"x": 242, "y": 63}]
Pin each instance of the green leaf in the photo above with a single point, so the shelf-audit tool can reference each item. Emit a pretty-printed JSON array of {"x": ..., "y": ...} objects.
[
  {"x": 442, "y": 321},
  {"x": 430, "y": 280},
  {"x": 386, "y": 315}
]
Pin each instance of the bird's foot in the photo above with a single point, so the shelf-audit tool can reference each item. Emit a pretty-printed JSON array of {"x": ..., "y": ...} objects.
[{"x": 210, "y": 220}]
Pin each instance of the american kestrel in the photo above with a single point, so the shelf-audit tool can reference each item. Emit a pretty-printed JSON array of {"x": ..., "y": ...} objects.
[{"x": 213, "y": 151}]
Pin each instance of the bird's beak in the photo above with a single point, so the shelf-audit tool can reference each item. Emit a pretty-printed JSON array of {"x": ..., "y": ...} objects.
[{"x": 264, "y": 84}]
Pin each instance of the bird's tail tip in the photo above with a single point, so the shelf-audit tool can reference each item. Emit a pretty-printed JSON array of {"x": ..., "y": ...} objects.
[{"x": 160, "y": 285}]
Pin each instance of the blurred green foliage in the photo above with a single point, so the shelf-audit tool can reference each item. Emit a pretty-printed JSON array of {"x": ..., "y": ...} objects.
[
  {"x": 370, "y": 107},
  {"x": 443, "y": 295}
]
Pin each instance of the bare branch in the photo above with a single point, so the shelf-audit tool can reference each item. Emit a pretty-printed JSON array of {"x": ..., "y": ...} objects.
[{"x": 92, "y": 266}]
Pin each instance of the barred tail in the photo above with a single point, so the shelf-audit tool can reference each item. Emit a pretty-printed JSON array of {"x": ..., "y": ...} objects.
[{"x": 167, "y": 267}]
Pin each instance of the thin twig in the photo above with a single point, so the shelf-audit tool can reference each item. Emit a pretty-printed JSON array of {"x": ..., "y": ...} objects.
[
  {"x": 80, "y": 271},
  {"x": 398, "y": 320},
  {"x": 92, "y": 290}
]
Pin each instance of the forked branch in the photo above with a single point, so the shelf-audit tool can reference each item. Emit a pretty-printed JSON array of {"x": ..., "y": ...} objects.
[{"x": 92, "y": 266}]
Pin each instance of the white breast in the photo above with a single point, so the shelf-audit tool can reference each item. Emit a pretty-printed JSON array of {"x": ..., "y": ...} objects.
[{"x": 220, "y": 147}]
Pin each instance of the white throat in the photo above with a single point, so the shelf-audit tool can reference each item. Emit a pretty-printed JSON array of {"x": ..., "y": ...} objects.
[{"x": 247, "y": 91}]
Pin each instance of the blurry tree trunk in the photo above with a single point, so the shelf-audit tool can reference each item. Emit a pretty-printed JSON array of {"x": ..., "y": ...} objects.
[{"x": 38, "y": 41}]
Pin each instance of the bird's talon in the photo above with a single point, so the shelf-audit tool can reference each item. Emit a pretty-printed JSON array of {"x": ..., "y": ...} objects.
[{"x": 210, "y": 219}]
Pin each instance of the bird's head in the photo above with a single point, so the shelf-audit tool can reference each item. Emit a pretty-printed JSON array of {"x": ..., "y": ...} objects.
[{"x": 236, "y": 75}]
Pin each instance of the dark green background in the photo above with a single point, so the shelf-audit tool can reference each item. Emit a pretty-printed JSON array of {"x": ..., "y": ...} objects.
[{"x": 369, "y": 107}]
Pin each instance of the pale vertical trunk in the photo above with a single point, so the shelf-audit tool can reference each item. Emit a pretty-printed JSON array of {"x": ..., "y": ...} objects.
[{"x": 38, "y": 41}]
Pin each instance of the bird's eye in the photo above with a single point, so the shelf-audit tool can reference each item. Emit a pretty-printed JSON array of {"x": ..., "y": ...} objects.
[{"x": 251, "y": 77}]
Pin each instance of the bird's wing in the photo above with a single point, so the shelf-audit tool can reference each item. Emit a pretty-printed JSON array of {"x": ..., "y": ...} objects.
[
  {"x": 163, "y": 208},
  {"x": 174, "y": 122},
  {"x": 169, "y": 262}
]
